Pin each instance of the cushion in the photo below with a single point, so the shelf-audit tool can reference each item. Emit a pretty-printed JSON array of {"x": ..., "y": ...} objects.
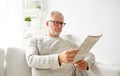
[
  {"x": 16, "y": 64},
  {"x": 2, "y": 62}
]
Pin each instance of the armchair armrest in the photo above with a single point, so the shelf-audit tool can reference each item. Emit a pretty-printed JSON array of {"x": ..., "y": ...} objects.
[{"x": 101, "y": 69}]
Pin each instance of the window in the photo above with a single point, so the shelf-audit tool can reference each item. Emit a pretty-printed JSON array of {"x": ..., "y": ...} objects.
[{"x": 34, "y": 17}]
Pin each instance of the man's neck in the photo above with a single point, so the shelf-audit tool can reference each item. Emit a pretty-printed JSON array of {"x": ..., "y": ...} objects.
[{"x": 51, "y": 35}]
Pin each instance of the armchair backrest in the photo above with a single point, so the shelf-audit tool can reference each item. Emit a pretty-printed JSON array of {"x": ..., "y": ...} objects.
[
  {"x": 16, "y": 64},
  {"x": 2, "y": 54}
]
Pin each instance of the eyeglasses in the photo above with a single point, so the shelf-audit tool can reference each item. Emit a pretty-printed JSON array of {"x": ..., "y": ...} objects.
[{"x": 58, "y": 23}]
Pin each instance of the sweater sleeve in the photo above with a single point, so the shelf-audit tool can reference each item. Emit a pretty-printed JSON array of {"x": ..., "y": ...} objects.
[
  {"x": 34, "y": 60},
  {"x": 90, "y": 58}
]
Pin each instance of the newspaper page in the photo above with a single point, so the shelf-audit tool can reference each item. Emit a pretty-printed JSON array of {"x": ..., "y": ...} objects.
[{"x": 85, "y": 47}]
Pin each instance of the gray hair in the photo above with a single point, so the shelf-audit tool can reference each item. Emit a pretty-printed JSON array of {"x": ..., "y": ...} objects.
[{"x": 51, "y": 14}]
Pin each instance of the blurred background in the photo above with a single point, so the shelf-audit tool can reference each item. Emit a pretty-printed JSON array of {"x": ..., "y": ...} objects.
[{"x": 82, "y": 17}]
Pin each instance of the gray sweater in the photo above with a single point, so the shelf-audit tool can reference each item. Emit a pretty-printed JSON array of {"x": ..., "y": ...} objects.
[{"x": 42, "y": 56}]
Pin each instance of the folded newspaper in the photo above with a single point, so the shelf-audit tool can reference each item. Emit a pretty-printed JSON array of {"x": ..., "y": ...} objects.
[{"x": 85, "y": 47}]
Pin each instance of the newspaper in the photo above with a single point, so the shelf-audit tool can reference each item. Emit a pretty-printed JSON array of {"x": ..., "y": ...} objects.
[{"x": 85, "y": 47}]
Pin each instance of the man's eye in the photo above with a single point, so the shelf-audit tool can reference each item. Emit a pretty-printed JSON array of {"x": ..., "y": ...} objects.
[
  {"x": 61, "y": 23},
  {"x": 57, "y": 22}
]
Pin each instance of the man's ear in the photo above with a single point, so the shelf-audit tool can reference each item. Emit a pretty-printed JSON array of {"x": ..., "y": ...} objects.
[{"x": 47, "y": 23}]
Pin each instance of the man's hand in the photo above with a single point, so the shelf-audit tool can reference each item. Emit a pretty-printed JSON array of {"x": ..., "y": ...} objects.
[
  {"x": 81, "y": 65},
  {"x": 67, "y": 56}
]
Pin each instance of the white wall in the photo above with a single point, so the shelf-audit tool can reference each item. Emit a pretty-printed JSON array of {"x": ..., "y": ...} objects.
[
  {"x": 85, "y": 17},
  {"x": 11, "y": 23}
]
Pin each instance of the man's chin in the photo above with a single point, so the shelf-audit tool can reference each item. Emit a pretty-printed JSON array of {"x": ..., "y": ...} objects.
[{"x": 57, "y": 34}]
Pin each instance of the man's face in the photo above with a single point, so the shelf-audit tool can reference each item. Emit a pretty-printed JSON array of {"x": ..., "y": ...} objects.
[{"x": 55, "y": 25}]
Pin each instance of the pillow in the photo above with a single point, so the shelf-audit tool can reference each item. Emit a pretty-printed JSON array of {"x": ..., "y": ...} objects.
[
  {"x": 16, "y": 64},
  {"x": 2, "y": 62}
]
